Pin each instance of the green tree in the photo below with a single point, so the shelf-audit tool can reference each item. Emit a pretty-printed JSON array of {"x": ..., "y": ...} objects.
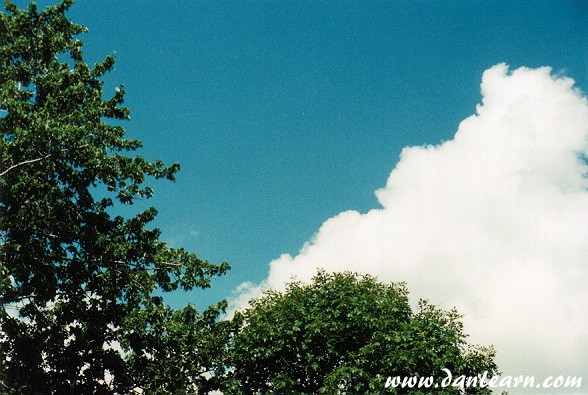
[
  {"x": 77, "y": 281},
  {"x": 346, "y": 334}
]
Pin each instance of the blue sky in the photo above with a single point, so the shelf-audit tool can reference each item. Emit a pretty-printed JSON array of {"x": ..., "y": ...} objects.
[{"x": 285, "y": 113}]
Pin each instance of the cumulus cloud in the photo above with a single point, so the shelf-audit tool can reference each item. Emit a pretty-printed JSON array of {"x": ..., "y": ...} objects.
[{"x": 494, "y": 222}]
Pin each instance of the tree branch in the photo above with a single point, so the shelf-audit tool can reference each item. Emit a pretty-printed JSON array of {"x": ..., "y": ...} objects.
[
  {"x": 36, "y": 160},
  {"x": 23, "y": 163}
]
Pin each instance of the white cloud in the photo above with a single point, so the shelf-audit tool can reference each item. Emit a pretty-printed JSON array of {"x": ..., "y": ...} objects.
[{"x": 494, "y": 222}]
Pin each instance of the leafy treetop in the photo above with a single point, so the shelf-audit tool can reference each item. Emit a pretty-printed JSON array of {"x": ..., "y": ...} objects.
[{"x": 345, "y": 334}]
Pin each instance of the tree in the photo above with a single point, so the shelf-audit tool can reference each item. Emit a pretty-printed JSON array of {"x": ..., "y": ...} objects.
[
  {"x": 78, "y": 311},
  {"x": 345, "y": 333}
]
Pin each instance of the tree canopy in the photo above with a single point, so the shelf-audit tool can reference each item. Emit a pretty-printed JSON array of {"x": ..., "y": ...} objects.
[
  {"x": 345, "y": 333},
  {"x": 78, "y": 312}
]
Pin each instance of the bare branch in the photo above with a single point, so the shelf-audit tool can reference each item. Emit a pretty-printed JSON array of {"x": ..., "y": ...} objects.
[
  {"x": 23, "y": 163},
  {"x": 36, "y": 160}
]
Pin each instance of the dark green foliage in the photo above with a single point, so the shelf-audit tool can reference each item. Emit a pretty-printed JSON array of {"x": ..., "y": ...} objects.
[
  {"x": 345, "y": 334},
  {"x": 76, "y": 281}
]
